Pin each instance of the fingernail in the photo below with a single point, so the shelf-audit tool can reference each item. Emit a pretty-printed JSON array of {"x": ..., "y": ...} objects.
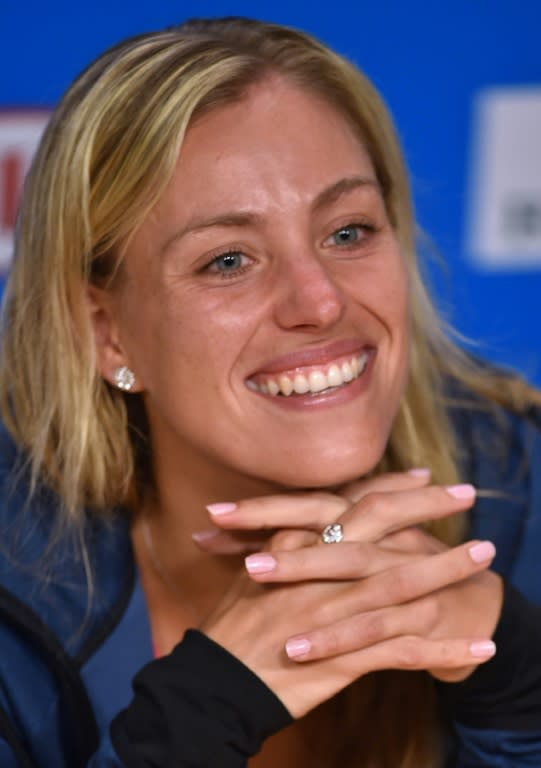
[
  {"x": 260, "y": 563},
  {"x": 464, "y": 491},
  {"x": 482, "y": 552},
  {"x": 483, "y": 648},
  {"x": 298, "y": 647},
  {"x": 419, "y": 472},
  {"x": 221, "y": 509},
  {"x": 204, "y": 535}
]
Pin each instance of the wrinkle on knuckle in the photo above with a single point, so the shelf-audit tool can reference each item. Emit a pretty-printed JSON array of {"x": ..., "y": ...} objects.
[
  {"x": 401, "y": 584},
  {"x": 379, "y": 506},
  {"x": 447, "y": 654},
  {"x": 323, "y": 613},
  {"x": 288, "y": 540},
  {"x": 329, "y": 643},
  {"x": 358, "y": 557},
  {"x": 410, "y": 654},
  {"x": 335, "y": 505},
  {"x": 374, "y": 628}
]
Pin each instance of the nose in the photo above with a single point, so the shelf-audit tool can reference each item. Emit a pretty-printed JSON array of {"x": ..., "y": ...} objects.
[{"x": 308, "y": 295}]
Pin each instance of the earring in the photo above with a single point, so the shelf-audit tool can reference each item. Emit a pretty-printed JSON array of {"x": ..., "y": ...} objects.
[{"x": 124, "y": 378}]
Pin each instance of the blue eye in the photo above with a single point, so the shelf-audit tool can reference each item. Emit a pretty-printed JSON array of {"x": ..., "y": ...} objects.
[
  {"x": 347, "y": 235},
  {"x": 228, "y": 264}
]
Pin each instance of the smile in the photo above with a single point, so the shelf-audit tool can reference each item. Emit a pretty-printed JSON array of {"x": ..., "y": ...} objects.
[{"x": 313, "y": 381}]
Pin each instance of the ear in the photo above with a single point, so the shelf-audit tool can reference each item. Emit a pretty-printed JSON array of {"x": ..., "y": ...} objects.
[{"x": 110, "y": 354}]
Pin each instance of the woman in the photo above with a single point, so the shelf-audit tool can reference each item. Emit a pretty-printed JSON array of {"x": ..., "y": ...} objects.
[{"x": 217, "y": 342}]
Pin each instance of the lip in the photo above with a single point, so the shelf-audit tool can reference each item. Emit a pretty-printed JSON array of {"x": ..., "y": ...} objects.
[{"x": 320, "y": 356}]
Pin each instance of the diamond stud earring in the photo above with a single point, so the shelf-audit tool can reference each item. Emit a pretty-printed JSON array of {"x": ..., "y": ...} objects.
[{"x": 124, "y": 378}]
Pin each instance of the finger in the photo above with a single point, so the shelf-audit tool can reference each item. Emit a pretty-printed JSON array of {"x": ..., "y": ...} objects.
[
  {"x": 408, "y": 652},
  {"x": 391, "y": 481},
  {"x": 289, "y": 539},
  {"x": 379, "y": 514},
  {"x": 364, "y": 630},
  {"x": 413, "y": 540},
  {"x": 374, "y": 627},
  {"x": 351, "y": 560},
  {"x": 218, "y": 542},
  {"x": 313, "y": 510},
  {"x": 411, "y": 581}
]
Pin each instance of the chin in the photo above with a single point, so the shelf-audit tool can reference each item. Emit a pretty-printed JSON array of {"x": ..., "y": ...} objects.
[{"x": 328, "y": 471}]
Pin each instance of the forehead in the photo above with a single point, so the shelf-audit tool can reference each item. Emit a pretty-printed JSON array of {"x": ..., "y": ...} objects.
[{"x": 277, "y": 141}]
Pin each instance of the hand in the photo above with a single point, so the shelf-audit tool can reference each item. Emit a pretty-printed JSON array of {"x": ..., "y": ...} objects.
[
  {"x": 227, "y": 539},
  {"x": 388, "y": 600}
]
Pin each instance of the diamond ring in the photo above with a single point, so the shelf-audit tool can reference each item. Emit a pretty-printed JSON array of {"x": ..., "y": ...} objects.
[{"x": 332, "y": 534}]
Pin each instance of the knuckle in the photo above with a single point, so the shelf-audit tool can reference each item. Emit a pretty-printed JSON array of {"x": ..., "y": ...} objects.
[
  {"x": 324, "y": 613},
  {"x": 328, "y": 643},
  {"x": 447, "y": 654},
  {"x": 373, "y": 628},
  {"x": 288, "y": 540},
  {"x": 402, "y": 584},
  {"x": 376, "y": 503},
  {"x": 410, "y": 655},
  {"x": 359, "y": 556},
  {"x": 333, "y": 505}
]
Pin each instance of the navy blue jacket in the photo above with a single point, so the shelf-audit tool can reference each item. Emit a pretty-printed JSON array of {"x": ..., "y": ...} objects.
[{"x": 68, "y": 659}]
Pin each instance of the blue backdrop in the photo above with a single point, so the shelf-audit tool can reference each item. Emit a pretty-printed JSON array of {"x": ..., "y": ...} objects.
[{"x": 463, "y": 81}]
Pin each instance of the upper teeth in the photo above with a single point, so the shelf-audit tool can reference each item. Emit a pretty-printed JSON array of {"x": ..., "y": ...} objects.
[{"x": 315, "y": 381}]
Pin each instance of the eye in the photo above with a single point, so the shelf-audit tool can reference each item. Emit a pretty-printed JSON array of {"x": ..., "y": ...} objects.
[
  {"x": 228, "y": 264},
  {"x": 351, "y": 234}
]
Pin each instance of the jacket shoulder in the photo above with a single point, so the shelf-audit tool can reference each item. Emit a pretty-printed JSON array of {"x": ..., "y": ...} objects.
[
  {"x": 500, "y": 453},
  {"x": 70, "y": 577}
]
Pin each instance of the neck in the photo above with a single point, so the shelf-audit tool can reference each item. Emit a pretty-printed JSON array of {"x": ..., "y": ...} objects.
[{"x": 174, "y": 569}]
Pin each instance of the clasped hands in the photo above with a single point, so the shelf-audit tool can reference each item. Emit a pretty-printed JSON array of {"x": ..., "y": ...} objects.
[{"x": 389, "y": 596}]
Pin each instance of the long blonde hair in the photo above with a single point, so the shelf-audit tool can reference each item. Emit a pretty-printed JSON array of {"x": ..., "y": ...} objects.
[{"x": 105, "y": 158}]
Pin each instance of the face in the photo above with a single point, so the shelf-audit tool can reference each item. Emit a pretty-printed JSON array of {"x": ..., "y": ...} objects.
[{"x": 264, "y": 302}]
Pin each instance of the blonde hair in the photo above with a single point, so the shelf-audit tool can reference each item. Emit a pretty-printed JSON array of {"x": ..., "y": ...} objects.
[{"x": 107, "y": 155}]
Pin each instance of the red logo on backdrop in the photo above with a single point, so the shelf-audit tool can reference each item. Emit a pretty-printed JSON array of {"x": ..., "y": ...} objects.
[{"x": 20, "y": 131}]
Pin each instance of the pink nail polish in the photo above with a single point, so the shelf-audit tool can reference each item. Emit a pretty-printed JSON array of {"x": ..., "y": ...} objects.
[
  {"x": 299, "y": 646},
  {"x": 204, "y": 535},
  {"x": 419, "y": 472},
  {"x": 464, "y": 491},
  {"x": 483, "y": 649},
  {"x": 221, "y": 509},
  {"x": 260, "y": 563},
  {"x": 482, "y": 552}
]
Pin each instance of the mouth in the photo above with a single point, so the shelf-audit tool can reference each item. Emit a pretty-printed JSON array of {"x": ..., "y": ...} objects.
[{"x": 312, "y": 380}]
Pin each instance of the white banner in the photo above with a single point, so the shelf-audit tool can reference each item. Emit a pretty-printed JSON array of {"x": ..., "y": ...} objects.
[{"x": 504, "y": 227}]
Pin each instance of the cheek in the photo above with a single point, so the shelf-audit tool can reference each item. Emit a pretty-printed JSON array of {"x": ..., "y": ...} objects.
[
  {"x": 382, "y": 287},
  {"x": 191, "y": 337}
]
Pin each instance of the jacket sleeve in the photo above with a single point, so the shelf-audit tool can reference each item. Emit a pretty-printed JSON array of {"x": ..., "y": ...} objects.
[
  {"x": 496, "y": 712},
  {"x": 199, "y": 706}
]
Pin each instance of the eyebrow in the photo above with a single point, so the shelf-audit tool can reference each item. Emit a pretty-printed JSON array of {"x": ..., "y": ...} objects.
[
  {"x": 331, "y": 194},
  {"x": 326, "y": 197}
]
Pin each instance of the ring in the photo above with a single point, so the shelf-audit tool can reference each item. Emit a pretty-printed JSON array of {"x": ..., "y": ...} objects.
[{"x": 332, "y": 534}]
